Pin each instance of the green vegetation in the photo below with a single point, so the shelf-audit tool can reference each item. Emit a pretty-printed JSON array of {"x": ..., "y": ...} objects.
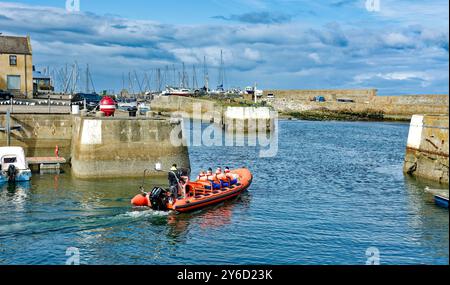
[{"x": 343, "y": 115}]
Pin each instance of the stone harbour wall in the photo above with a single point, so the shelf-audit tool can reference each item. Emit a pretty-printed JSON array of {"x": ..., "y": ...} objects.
[
  {"x": 193, "y": 107},
  {"x": 39, "y": 134},
  {"x": 403, "y": 106},
  {"x": 99, "y": 147},
  {"x": 427, "y": 152}
]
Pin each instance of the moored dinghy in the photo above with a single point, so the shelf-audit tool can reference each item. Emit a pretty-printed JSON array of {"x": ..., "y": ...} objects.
[
  {"x": 13, "y": 165},
  {"x": 440, "y": 196},
  {"x": 441, "y": 201},
  {"x": 195, "y": 195}
]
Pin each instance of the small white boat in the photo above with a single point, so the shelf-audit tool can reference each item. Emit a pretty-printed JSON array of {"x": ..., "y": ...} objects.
[
  {"x": 13, "y": 165},
  {"x": 177, "y": 91},
  {"x": 143, "y": 108},
  {"x": 126, "y": 104}
]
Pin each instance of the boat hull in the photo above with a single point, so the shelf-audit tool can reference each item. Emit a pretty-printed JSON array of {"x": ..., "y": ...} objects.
[
  {"x": 200, "y": 194},
  {"x": 441, "y": 201},
  {"x": 22, "y": 176},
  {"x": 215, "y": 196}
]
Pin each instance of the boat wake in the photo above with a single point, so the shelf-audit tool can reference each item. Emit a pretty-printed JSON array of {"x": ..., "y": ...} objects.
[{"x": 145, "y": 213}]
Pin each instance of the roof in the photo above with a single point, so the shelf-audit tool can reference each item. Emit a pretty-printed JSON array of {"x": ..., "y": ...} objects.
[{"x": 15, "y": 45}]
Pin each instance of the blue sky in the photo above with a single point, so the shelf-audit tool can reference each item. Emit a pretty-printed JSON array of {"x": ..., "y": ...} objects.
[{"x": 402, "y": 48}]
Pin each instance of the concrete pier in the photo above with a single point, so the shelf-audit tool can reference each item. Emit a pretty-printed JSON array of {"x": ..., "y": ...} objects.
[
  {"x": 108, "y": 147},
  {"x": 194, "y": 108},
  {"x": 248, "y": 119},
  {"x": 427, "y": 152}
]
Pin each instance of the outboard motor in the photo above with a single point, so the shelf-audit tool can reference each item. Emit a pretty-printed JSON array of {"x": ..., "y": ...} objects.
[
  {"x": 11, "y": 173},
  {"x": 158, "y": 199}
]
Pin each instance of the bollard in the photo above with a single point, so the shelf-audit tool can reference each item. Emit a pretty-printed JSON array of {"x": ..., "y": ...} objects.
[{"x": 132, "y": 112}]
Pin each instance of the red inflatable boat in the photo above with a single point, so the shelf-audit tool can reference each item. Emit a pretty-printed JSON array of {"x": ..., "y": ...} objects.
[{"x": 197, "y": 194}]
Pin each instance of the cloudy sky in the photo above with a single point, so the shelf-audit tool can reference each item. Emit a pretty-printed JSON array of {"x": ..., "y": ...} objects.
[{"x": 398, "y": 47}]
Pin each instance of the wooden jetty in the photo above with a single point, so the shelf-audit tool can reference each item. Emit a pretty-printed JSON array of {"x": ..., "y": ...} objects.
[{"x": 46, "y": 163}]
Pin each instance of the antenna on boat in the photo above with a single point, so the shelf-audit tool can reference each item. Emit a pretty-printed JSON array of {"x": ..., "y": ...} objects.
[{"x": 142, "y": 188}]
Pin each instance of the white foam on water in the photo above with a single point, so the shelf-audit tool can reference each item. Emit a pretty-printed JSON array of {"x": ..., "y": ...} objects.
[{"x": 145, "y": 213}]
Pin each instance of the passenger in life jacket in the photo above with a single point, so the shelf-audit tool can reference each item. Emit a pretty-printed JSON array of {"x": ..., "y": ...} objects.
[
  {"x": 202, "y": 176},
  {"x": 220, "y": 175},
  {"x": 223, "y": 178},
  {"x": 233, "y": 177},
  {"x": 228, "y": 172},
  {"x": 209, "y": 175},
  {"x": 213, "y": 179}
]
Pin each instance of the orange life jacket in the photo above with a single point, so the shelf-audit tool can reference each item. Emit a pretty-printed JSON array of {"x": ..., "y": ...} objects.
[{"x": 222, "y": 176}]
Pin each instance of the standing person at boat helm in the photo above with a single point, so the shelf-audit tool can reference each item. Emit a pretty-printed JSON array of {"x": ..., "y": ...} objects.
[{"x": 173, "y": 177}]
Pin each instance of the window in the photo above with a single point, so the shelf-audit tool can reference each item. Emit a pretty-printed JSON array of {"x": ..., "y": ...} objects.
[
  {"x": 13, "y": 82},
  {"x": 13, "y": 60},
  {"x": 10, "y": 160}
]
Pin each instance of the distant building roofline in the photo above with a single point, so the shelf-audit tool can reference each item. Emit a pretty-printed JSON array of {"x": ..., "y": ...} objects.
[
  {"x": 15, "y": 45},
  {"x": 39, "y": 75}
]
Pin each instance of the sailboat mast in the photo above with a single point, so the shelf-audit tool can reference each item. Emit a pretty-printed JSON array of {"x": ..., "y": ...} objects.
[
  {"x": 221, "y": 71},
  {"x": 123, "y": 81},
  {"x": 159, "y": 79},
  {"x": 194, "y": 78},
  {"x": 174, "y": 75},
  {"x": 205, "y": 74},
  {"x": 87, "y": 78},
  {"x": 183, "y": 77}
]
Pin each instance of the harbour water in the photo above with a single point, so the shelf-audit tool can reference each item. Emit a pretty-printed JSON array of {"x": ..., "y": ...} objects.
[{"x": 334, "y": 190}]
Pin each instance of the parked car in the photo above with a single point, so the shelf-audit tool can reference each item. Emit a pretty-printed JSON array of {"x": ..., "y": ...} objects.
[
  {"x": 345, "y": 100},
  {"x": 319, "y": 99},
  {"x": 5, "y": 95},
  {"x": 92, "y": 100}
]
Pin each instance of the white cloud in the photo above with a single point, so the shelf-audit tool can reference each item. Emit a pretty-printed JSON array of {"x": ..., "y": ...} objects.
[
  {"x": 397, "y": 39},
  {"x": 400, "y": 76},
  {"x": 315, "y": 57},
  {"x": 252, "y": 54},
  {"x": 288, "y": 55}
]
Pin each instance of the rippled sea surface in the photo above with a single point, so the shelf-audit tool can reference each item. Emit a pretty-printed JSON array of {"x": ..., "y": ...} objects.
[{"x": 333, "y": 190}]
